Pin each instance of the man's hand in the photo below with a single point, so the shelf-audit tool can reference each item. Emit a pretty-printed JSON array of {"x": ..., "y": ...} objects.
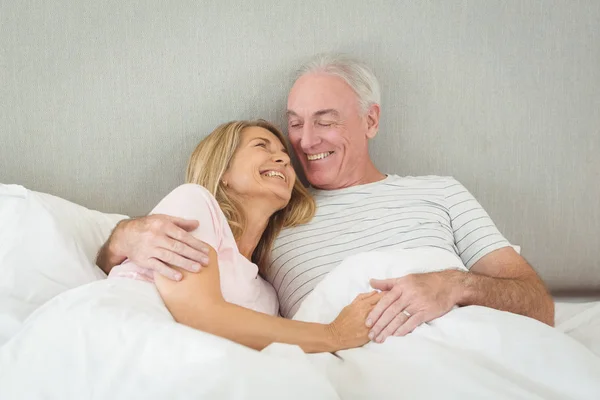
[
  {"x": 410, "y": 301},
  {"x": 156, "y": 241}
]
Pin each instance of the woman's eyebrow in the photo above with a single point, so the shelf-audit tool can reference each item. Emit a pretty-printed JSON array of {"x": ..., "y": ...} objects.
[{"x": 269, "y": 142}]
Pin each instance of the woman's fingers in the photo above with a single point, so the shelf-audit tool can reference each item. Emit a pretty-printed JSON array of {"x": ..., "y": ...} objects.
[
  {"x": 386, "y": 301},
  {"x": 394, "y": 310},
  {"x": 364, "y": 296},
  {"x": 374, "y": 299}
]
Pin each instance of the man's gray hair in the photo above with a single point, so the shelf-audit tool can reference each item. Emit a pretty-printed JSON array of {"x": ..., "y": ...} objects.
[{"x": 356, "y": 74}]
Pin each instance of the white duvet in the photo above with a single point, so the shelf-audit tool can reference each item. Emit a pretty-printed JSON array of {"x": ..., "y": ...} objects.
[{"x": 114, "y": 339}]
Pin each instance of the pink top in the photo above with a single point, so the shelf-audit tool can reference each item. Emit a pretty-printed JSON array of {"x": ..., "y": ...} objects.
[{"x": 240, "y": 282}]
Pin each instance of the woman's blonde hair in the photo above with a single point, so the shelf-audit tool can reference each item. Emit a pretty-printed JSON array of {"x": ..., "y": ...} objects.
[{"x": 211, "y": 159}]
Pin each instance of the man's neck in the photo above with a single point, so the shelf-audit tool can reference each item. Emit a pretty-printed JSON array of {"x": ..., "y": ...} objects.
[
  {"x": 371, "y": 175},
  {"x": 366, "y": 175}
]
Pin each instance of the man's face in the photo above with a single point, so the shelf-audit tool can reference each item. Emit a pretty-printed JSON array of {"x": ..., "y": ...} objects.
[{"x": 328, "y": 131}]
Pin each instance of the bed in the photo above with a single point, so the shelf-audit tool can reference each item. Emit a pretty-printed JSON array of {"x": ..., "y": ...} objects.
[{"x": 115, "y": 338}]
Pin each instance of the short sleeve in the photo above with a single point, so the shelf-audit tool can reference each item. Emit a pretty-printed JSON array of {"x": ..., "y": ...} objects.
[
  {"x": 192, "y": 201},
  {"x": 475, "y": 234}
]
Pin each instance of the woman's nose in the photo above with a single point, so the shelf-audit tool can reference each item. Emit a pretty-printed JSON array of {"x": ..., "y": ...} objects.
[{"x": 282, "y": 158}]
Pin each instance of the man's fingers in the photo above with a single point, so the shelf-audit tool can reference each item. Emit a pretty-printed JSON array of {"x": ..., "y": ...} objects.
[
  {"x": 187, "y": 238},
  {"x": 392, "y": 327},
  {"x": 381, "y": 306},
  {"x": 147, "y": 272},
  {"x": 187, "y": 224},
  {"x": 171, "y": 258},
  {"x": 382, "y": 284},
  {"x": 189, "y": 252},
  {"x": 386, "y": 318},
  {"x": 162, "y": 269},
  {"x": 410, "y": 324},
  {"x": 197, "y": 259}
]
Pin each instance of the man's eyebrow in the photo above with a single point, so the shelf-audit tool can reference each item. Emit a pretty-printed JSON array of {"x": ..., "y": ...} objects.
[{"x": 331, "y": 111}]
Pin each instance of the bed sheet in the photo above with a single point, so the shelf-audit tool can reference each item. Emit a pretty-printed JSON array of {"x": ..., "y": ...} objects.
[{"x": 580, "y": 319}]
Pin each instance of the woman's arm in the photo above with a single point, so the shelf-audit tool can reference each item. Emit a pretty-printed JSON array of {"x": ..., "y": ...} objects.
[{"x": 197, "y": 301}]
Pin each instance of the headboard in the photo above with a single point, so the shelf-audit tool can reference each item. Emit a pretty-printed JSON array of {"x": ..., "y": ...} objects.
[{"x": 102, "y": 102}]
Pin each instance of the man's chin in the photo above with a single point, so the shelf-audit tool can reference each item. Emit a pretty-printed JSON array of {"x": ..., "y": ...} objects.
[{"x": 321, "y": 180}]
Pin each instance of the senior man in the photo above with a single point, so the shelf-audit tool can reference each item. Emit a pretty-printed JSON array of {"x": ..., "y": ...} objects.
[{"x": 333, "y": 111}]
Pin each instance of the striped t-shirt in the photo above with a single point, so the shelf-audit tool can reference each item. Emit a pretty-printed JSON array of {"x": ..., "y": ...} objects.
[{"x": 396, "y": 212}]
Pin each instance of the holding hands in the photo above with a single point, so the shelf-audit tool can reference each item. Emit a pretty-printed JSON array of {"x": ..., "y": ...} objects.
[{"x": 410, "y": 301}]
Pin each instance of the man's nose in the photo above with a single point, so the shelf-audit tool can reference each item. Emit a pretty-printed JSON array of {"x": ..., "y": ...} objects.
[{"x": 309, "y": 137}]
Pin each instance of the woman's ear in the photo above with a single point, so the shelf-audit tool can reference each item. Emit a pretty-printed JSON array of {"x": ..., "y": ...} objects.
[
  {"x": 373, "y": 120},
  {"x": 225, "y": 179}
]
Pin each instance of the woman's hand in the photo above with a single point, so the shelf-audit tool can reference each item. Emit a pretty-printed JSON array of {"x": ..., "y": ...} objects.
[{"x": 349, "y": 330}]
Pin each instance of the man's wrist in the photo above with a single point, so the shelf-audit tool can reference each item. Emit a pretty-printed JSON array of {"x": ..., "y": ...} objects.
[
  {"x": 113, "y": 244},
  {"x": 110, "y": 253},
  {"x": 460, "y": 287}
]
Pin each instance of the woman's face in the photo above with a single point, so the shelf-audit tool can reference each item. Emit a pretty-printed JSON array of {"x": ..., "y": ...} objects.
[{"x": 261, "y": 168}]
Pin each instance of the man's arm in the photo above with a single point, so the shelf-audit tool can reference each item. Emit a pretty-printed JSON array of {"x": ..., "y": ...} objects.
[
  {"x": 154, "y": 242},
  {"x": 107, "y": 257},
  {"x": 498, "y": 277},
  {"x": 501, "y": 279},
  {"x": 505, "y": 281}
]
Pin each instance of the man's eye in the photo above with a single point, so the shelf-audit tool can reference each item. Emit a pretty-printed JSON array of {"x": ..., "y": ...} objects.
[
  {"x": 325, "y": 124},
  {"x": 295, "y": 124}
]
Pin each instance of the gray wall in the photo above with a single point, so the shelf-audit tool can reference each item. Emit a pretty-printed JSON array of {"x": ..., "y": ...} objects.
[{"x": 102, "y": 102}]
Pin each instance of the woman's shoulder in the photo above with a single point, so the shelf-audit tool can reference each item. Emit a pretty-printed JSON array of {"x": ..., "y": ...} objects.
[
  {"x": 192, "y": 189},
  {"x": 191, "y": 193},
  {"x": 190, "y": 201}
]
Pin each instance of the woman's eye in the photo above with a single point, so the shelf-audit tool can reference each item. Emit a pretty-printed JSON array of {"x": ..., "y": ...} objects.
[{"x": 261, "y": 144}]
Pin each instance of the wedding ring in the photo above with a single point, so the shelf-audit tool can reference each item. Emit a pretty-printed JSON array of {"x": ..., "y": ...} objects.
[{"x": 406, "y": 313}]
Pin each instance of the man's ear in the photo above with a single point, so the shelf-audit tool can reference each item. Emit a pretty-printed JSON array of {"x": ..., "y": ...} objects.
[{"x": 373, "y": 120}]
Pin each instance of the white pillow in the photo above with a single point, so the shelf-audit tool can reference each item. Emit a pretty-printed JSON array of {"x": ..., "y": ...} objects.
[{"x": 47, "y": 246}]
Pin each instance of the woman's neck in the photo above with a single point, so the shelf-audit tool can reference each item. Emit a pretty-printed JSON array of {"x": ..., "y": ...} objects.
[{"x": 257, "y": 219}]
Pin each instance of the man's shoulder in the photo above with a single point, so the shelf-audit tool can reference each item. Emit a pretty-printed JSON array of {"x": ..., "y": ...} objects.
[
  {"x": 421, "y": 178},
  {"x": 419, "y": 182},
  {"x": 392, "y": 182}
]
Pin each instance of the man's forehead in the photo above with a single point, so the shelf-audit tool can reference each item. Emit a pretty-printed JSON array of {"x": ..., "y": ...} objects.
[{"x": 319, "y": 93}]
